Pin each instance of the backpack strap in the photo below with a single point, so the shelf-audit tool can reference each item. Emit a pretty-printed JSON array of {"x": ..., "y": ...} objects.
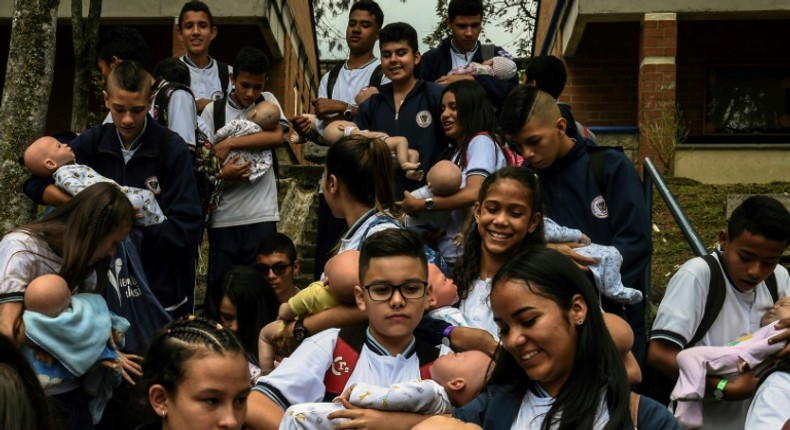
[
  {"x": 224, "y": 77},
  {"x": 344, "y": 360},
  {"x": 426, "y": 355},
  {"x": 375, "y": 77},
  {"x": 715, "y": 300},
  {"x": 770, "y": 282},
  {"x": 487, "y": 50},
  {"x": 330, "y": 83},
  {"x": 219, "y": 113}
]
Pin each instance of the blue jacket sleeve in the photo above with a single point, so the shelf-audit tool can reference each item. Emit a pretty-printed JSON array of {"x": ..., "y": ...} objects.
[
  {"x": 497, "y": 89},
  {"x": 363, "y": 118},
  {"x": 628, "y": 217},
  {"x": 655, "y": 416},
  {"x": 181, "y": 204}
]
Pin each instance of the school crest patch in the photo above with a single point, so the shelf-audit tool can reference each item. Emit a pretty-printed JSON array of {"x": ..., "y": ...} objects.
[
  {"x": 424, "y": 118},
  {"x": 152, "y": 183},
  {"x": 599, "y": 208}
]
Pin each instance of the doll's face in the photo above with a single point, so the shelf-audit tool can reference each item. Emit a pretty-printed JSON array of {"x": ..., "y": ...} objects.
[{"x": 779, "y": 310}]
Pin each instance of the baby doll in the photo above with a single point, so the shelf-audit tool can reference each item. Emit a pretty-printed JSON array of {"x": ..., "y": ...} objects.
[
  {"x": 49, "y": 157},
  {"x": 499, "y": 67},
  {"x": 341, "y": 276},
  {"x": 408, "y": 159},
  {"x": 738, "y": 356},
  {"x": 444, "y": 179},
  {"x": 444, "y": 294},
  {"x": 457, "y": 378},
  {"x": 64, "y": 356},
  {"x": 265, "y": 116},
  {"x": 606, "y": 270}
]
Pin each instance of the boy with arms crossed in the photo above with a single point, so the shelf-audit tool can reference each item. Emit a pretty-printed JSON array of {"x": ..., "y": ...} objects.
[{"x": 394, "y": 294}]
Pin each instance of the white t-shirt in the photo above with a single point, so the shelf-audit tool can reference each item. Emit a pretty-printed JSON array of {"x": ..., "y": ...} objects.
[
  {"x": 476, "y": 307},
  {"x": 300, "y": 377},
  {"x": 770, "y": 408},
  {"x": 205, "y": 83},
  {"x": 371, "y": 222},
  {"x": 348, "y": 84},
  {"x": 244, "y": 203},
  {"x": 681, "y": 311},
  {"x": 534, "y": 409},
  {"x": 181, "y": 115},
  {"x": 483, "y": 157},
  {"x": 24, "y": 257}
]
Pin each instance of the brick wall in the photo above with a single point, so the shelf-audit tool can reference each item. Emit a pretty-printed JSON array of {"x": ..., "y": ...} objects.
[{"x": 603, "y": 76}]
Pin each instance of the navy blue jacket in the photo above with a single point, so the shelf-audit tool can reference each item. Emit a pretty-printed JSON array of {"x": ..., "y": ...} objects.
[
  {"x": 417, "y": 120},
  {"x": 620, "y": 219},
  {"x": 437, "y": 62},
  {"x": 168, "y": 249},
  {"x": 497, "y": 408}
]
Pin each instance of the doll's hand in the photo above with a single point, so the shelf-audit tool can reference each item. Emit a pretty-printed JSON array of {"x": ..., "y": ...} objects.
[{"x": 346, "y": 395}]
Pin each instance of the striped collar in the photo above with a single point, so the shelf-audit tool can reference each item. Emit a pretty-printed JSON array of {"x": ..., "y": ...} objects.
[
  {"x": 358, "y": 223},
  {"x": 377, "y": 348},
  {"x": 192, "y": 63}
]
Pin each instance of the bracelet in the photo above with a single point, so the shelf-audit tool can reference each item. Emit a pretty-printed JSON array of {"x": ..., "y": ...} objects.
[{"x": 446, "y": 336}]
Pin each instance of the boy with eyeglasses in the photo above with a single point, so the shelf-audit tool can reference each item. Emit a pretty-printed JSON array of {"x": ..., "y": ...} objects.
[{"x": 394, "y": 294}]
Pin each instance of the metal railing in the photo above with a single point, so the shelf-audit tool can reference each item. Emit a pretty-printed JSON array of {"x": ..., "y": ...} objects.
[{"x": 651, "y": 177}]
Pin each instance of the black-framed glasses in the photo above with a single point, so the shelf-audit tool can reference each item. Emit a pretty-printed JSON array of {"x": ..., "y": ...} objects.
[
  {"x": 409, "y": 290},
  {"x": 278, "y": 268}
]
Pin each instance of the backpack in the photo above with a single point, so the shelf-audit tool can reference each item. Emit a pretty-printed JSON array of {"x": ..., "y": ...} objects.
[
  {"x": 375, "y": 78},
  {"x": 224, "y": 77},
  {"x": 219, "y": 122},
  {"x": 346, "y": 354},
  {"x": 205, "y": 165},
  {"x": 657, "y": 385},
  {"x": 487, "y": 51}
]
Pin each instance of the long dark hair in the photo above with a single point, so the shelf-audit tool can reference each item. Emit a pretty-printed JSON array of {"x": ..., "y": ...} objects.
[
  {"x": 475, "y": 113},
  {"x": 597, "y": 365},
  {"x": 23, "y": 404},
  {"x": 364, "y": 165},
  {"x": 75, "y": 229},
  {"x": 255, "y": 301},
  {"x": 467, "y": 268}
]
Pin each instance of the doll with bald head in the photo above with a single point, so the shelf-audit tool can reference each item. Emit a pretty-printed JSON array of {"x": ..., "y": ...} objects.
[{"x": 49, "y": 157}]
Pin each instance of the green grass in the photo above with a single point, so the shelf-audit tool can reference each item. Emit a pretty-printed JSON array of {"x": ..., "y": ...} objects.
[{"x": 705, "y": 207}]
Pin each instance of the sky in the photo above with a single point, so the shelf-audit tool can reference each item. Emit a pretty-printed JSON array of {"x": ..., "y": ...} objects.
[{"x": 421, "y": 14}]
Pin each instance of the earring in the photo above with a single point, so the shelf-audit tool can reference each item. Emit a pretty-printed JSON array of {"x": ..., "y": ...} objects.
[
  {"x": 580, "y": 322},
  {"x": 164, "y": 413}
]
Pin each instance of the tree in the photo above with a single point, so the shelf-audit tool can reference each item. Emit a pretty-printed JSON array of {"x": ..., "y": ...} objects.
[
  {"x": 84, "y": 35},
  {"x": 516, "y": 16},
  {"x": 23, "y": 112}
]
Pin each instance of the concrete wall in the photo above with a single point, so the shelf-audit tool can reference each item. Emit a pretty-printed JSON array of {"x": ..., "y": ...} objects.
[{"x": 734, "y": 164}]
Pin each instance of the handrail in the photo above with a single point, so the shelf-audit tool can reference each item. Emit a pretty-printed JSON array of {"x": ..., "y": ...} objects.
[{"x": 651, "y": 176}]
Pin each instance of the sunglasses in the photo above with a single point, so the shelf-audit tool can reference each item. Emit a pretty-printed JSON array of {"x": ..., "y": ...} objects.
[{"x": 278, "y": 269}]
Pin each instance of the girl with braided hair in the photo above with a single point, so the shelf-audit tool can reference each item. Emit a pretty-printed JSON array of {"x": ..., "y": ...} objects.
[{"x": 196, "y": 377}]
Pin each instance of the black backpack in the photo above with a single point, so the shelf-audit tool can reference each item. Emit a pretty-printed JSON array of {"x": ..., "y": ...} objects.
[{"x": 205, "y": 165}]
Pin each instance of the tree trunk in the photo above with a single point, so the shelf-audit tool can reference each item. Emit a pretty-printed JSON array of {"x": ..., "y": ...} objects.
[
  {"x": 84, "y": 35},
  {"x": 23, "y": 112}
]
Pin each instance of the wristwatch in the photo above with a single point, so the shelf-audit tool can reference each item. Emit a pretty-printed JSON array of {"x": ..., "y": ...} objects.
[
  {"x": 718, "y": 393},
  {"x": 300, "y": 333},
  {"x": 348, "y": 114},
  {"x": 429, "y": 204}
]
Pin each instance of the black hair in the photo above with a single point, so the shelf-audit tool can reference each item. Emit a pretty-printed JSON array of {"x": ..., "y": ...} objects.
[
  {"x": 467, "y": 269},
  {"x": 195, "y": 6},
  {"x": 392, "y": 242},
  {"x": 173, "y": 70},
  {"x": 364, "y": 166},
  {"x": 250, "y": 60},
  {"x": 464, "y": 8},
  {"x": 129, "y": 76},
  {"x": 124, "y": 43},
  {"x": 475, "y": 113},
  {"x": 177, "y": 342},
  {"x": 597, "y": 367},
  {"x": 277, "y": 242},
  {"x": 516, "y": 108},
  {"x": 549, "y": 74},
  {"x": 372, "y": 8},
  {"x": 760, "y": 215},
  {"x": 255, "y": 301},
  {"x": 399, "y": 32},
  {"x": 24, "y": 405}
]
